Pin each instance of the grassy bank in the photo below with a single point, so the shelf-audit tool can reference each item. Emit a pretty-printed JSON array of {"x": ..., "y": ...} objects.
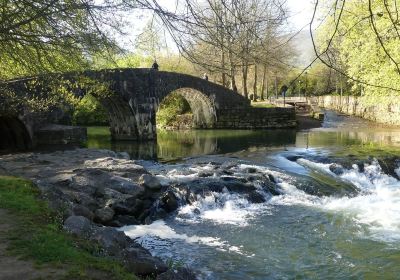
[{"x": 38, "y": 236}]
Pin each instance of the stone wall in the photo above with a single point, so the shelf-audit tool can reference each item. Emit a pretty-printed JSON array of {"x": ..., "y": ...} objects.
[
  {"x": 250, "y": 118},
  {"x": 60, "y": 135},
  {"x": 381, "y": 109}
]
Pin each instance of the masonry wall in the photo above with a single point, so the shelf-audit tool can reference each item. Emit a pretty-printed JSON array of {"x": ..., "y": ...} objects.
[
  {"x": 249, "y": 118},
  {"x": 381, "y": 109}
]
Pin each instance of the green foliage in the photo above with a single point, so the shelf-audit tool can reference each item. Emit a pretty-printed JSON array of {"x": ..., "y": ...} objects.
[
  {"x": 130, "y": 60},
  {"x": 167, "y": 62},
  {"x": 43, "y": 239},
  {"x": 356, "y": 45},
  {"x": 44, "y": 93},
  {"x": 89, "y": 111},
  {"x": 173, "y": 105},
  {"x": 39, "y": 36}
]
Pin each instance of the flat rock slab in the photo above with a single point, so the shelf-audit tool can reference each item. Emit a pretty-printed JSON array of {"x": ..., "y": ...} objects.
[{"x": 83, "y": 181}]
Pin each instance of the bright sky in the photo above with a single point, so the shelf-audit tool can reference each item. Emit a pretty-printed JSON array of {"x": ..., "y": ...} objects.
[{"x": 300, "y": 12}]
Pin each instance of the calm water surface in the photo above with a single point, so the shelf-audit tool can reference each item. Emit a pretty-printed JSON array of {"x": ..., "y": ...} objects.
[{"x": 295, "y": 235}]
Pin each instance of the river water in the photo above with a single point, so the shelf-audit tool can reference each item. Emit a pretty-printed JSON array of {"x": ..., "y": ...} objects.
[{"x": 337, "y": 215}]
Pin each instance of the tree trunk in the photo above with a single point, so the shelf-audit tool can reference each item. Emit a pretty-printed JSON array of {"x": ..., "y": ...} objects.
[
  {"x": 264, "y": 81},
  {"x": 276, "y": 86},
  {"x": 232, "y": 66},
  {"x": 255, "y": 83},
  {"x": 244, "y": 77},
  {"x": 223, "y": 67}
]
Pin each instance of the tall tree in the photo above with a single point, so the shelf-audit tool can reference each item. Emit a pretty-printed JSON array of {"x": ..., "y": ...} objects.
[{"x": 52, "y": 35}]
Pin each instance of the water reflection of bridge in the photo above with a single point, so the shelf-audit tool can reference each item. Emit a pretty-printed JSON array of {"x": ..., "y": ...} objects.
[{"x": 179, "y": 144}]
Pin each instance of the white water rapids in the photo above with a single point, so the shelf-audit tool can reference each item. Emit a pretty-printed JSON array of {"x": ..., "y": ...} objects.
[{"x": 376, "y": 207}]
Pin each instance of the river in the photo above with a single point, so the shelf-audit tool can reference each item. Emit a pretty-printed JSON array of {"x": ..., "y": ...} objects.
[{"x": 337, "y": 215}]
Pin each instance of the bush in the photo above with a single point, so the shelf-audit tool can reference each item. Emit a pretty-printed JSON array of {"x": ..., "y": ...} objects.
[
  {"x": 173, "y": 105},
  {"x": 89, "y": 112}
]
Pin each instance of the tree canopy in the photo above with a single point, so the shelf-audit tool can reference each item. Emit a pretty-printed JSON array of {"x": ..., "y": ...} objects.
[
  {"x": 361, "y": 41},
  {"x": 52, "y": 35}
]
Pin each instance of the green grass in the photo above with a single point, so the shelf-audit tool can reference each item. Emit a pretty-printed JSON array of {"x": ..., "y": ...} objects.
[
  {"x": 94, "y": 131},
  {"x": 38, "y": 235}
]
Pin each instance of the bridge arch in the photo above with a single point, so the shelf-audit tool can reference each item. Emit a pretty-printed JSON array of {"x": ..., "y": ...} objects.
[
  {"x": 14, "y": 134},
  {"x": 123, "y": 124},
  {"x": 202, "y": 107}
]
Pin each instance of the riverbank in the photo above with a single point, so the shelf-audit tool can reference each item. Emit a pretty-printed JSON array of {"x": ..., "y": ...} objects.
[
  {"x": 92, "y": 194},
  {"x": 34, "y": 247},
  {"x": 380, "y": 109},
  {"x": 87, "y": 192}
]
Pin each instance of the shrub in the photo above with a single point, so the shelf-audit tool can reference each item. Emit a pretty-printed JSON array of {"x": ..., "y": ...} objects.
[{"x": 89, "y": 112}]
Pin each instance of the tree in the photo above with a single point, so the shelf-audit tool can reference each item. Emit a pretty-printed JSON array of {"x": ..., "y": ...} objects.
[
  {"x": 50, "y": 35},
  {"x": 227, "y": 37},
  {"x": 360, "y": 40}
]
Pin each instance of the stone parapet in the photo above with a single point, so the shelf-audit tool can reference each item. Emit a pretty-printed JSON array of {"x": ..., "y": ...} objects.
[{"x": 255, "y": 118}]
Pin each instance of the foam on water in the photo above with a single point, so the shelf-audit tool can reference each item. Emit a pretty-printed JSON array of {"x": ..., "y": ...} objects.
[
  {"x": 222, "y": 208},
  {"x": 158, "y": 236},
  {"x": 183, "y": 173},
  {"x": 377, "y": 206}
]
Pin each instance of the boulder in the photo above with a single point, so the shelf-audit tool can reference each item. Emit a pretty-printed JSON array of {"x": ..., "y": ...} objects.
[
  {"x": 271, "y": 187},
  {"x": 336, "y": 169},
  {"x": 80, "y": 210},
  {"x": 78, "y": 225},
  {"x": 157, "y": 215},
  {"x": 124, "y": 185},
  {"x": 180, "y": 273},
  {"x": 255, "y": 197},
  {"x": 251, "y": 170},
  {"x": 205, "y": 174},
  {"x": 272, "y": 178},
  {"x": 141, "y": 263},
  {"x": 82, "y": 198},
  {"x": 129, "y": 206},
  {"x": 104, "y": 215},
  {"x": 150, "y": 182},
  {"x": 169, "y": 202},
  {"x": 110, "y": 239},
  {"x": 115, "y": 165},
  {"x": 61, "y": 179},
  {"x": 237, "y": 186},
  {"x": 126, "y": 220},
  {"x": 390, "y": 166},
  {"x": 112, "y": 196}
]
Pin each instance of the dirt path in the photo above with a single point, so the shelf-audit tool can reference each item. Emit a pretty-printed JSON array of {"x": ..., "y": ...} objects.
[{"x": 13, "y": 268}]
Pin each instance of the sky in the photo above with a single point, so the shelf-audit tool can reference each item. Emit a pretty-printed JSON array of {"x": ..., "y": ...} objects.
[
  {"x": 300, "y": 13},
  {"x": 300, "y": 10}
]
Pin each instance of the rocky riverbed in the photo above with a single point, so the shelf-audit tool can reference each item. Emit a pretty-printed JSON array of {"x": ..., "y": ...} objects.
[{"x": 99, "y": 191}]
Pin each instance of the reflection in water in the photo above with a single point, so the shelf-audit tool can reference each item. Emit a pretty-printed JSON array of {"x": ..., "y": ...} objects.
[
  {"x": 337, "y": 131},
  {"x": 172, "y": 145}
]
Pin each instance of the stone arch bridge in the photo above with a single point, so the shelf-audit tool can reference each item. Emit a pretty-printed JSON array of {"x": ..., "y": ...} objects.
[{"x": 138, "y": 92}]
